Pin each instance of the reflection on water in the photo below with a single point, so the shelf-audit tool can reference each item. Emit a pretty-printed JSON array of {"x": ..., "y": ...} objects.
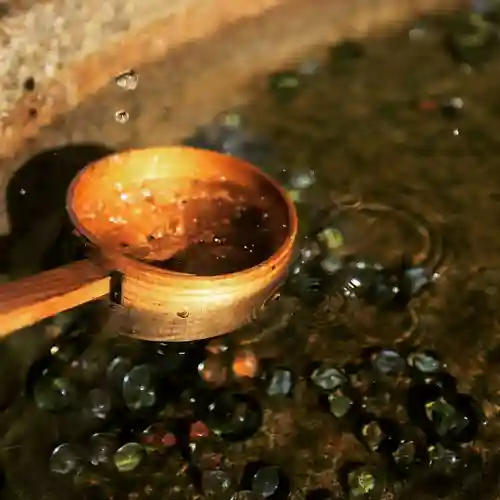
[{"x": 374, "y": 375}]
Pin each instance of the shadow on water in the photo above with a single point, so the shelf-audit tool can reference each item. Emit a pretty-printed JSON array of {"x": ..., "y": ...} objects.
[{"x": 40, "y": 236}]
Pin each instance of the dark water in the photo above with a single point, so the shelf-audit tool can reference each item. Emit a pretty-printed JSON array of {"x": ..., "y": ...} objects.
[
  {"x": 364, "y": 380},
  {"x": 242, "y": 240}
]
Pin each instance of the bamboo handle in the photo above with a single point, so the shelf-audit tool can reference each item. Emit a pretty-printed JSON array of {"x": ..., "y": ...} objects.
[{"x": 29, "y": 300}]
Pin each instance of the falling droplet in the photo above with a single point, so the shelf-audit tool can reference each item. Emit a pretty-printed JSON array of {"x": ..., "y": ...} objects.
[
  {"x": 122, "y": 116},
  {"x": 127, "y": 80}
]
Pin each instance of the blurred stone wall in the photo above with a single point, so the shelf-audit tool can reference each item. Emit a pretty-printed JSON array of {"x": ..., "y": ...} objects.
[{"x": 55, "y": 53}]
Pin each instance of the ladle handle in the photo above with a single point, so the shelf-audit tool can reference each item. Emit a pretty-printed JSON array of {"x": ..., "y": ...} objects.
[{"x": 29, "y": 300}]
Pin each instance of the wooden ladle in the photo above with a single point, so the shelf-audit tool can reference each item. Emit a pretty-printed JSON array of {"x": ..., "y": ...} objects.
[{"x": 165, "y": 223}]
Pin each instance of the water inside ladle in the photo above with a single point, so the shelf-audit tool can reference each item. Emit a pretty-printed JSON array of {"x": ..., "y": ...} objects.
[{"x": 204, "y": 215}]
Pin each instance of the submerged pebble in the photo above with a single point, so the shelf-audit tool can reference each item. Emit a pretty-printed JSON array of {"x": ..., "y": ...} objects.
[
  {"x": 128, "y": 457},
  {"x": 65, "y": 459},
  {"x": 285, "y": 85},
  {"x": 365, "y": 482},
  {"x": 328, "y": 377},
  {"x": 138, "y": 388},
  {"x": 52, "y": 393},
  {"x": 102, "y": 447},
  {"x": 387, "y": 361},
  {"x": 234, "y": 416}
]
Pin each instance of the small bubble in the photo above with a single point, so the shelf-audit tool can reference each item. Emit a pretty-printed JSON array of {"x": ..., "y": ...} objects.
[
  {"x": 122, "y": 116},
  {"x": 127, "y": 80}
]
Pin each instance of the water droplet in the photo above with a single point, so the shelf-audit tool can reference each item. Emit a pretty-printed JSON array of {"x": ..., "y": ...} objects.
[
  {"x": 138, "y": 389},
  {"x": 127, "y": 80},
  {"x": 122, "y": 116},
  {"x": 328, "y": 377},
  {"x": 64, "y": 459},
  {"x": 128, "y": 457}
]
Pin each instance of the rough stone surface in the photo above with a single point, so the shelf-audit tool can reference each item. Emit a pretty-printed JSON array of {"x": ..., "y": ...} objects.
[{"x": 72, "y": 50}]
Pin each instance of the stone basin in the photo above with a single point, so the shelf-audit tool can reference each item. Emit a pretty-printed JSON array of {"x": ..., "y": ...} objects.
[{"x": 214, "y": 58}]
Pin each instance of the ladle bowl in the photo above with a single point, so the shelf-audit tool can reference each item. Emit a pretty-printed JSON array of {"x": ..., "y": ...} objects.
[{"x": 197, "y": 240}]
